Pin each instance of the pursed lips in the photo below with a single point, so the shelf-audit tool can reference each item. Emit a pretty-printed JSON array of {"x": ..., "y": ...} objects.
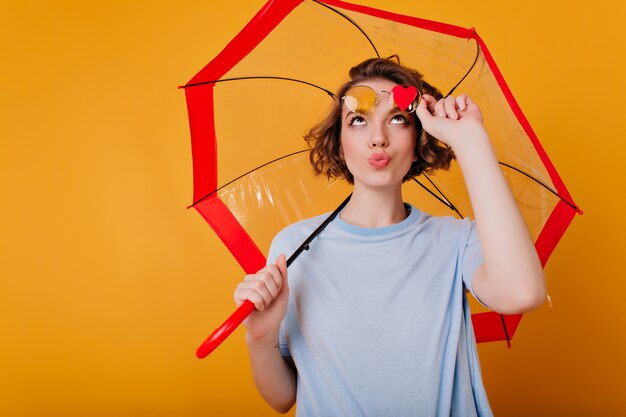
[{"x": 379, "y": 160}]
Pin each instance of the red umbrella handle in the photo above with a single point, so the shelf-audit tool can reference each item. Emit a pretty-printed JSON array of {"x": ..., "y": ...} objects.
[{"x": 221, "y": 333}]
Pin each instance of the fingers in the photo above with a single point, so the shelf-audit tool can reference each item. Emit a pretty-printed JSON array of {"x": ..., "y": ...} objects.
[
  {"x": 264, "y": 286},
  {"x": 281, "y": 263},
  {"x": 449, "y": 107},
  {"x": 432, "y": 105},
  {"x": 426, "y": 107},
  {"x": 429, "y": 101},
  {"x": 462, "y": 101}
]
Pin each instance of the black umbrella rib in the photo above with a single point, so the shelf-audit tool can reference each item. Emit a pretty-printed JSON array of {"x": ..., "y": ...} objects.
[
  {"x": 443, "y": 200},
  {"x": 260, "y": 77},
  {"x": 569, "y": 203},
  {"x": 468, "y": 71},
  {"x": 353, "y": 23},
  {"x": 451, "y": 206},
  {"x": 243, "y": 175},
  {"x": 506, "y": 332}
]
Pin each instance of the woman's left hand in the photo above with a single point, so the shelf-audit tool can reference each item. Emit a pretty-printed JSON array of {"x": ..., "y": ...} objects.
[{"x": 450, "y": 119}]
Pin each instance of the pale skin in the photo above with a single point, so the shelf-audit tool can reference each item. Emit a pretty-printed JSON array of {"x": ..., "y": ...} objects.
[{"x": 510, "y": 280}]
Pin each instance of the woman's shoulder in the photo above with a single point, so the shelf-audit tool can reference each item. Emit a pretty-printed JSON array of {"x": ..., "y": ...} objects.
[{"x": 442, "y": 223}]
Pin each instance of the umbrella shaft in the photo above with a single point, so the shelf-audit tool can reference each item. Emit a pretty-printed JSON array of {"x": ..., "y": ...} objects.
[{"x": 221, "y": 333}]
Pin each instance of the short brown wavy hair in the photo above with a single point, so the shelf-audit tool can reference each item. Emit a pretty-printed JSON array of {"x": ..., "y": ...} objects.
[{"x": 324, "y": 141}]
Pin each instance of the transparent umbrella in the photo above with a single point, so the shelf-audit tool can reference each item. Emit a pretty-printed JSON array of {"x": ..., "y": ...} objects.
[{"x": 250, "y": 106}]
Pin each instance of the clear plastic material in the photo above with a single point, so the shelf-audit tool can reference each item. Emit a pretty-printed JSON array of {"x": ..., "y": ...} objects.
[
  {"x": 248, "y": 127},
  {"x": 260, "y": 120}
]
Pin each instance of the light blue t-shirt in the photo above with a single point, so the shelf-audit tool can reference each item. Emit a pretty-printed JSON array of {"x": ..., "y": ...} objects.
[{"x": 378, "y": 323}]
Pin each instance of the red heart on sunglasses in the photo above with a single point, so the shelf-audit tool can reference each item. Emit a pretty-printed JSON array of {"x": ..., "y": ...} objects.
[{"x": 404, "y": 96}]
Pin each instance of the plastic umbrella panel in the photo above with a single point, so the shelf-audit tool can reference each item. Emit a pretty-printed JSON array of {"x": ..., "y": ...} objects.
[{"x": 251, "y": 105}]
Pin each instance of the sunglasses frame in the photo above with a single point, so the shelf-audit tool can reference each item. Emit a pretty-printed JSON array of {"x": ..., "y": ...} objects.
[{"x": 390, "y": 98}]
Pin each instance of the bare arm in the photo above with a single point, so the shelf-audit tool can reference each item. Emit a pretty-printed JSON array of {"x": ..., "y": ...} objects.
[
  {"x": 268, "y": 289},
  {"x": 274, "y": 378},
  {"x": 511, "y": 279}
]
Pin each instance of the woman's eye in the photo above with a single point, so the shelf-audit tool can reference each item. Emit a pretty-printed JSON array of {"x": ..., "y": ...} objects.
[
  {"x": 356, "y": 121},
  {"x": 399, "y": 119}
]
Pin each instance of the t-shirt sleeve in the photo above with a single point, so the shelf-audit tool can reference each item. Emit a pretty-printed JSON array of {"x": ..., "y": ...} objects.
[
  {"x": 282, "y": 342},
  {"x": 472, "y": 259}
]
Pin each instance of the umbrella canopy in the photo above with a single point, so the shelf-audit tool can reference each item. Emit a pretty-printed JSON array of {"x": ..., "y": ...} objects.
[{"x": 250, "y": 107}]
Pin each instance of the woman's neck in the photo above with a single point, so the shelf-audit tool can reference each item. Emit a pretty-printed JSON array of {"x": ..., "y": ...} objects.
[{"x": 374, "y": 208}]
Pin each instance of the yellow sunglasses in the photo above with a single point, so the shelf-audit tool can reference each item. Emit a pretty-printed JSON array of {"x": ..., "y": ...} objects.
[{"x": 362, "y": 99}]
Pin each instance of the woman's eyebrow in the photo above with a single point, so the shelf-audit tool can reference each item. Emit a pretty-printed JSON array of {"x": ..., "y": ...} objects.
[
  {"x": 394, "y": 111},
  {"x": 349, "y": 113}
]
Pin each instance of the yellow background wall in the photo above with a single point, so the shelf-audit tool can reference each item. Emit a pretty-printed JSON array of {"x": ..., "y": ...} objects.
[{"x": 108, "y": 284}]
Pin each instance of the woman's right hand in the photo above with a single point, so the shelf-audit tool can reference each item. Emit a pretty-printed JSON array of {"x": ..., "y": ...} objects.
[{"x": 268, "y": 290}]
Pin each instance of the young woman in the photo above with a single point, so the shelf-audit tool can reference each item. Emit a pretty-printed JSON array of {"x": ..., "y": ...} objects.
[{"x": 373, "y": 319}]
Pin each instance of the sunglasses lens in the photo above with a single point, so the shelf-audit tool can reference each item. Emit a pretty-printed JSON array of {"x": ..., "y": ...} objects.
[
  {"x": 406, "y": 97},
  {"x": 360, "y": 99}
]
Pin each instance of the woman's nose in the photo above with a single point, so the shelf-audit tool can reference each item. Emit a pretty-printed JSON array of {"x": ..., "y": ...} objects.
[{"x": 379, "y": 140}]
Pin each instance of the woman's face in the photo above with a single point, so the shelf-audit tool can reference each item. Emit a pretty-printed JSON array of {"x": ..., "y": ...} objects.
[{"x": 378, "y": 147}]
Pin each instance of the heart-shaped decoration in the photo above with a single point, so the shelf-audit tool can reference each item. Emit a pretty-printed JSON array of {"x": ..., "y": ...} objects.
[{"x": 404, "y": 96}]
